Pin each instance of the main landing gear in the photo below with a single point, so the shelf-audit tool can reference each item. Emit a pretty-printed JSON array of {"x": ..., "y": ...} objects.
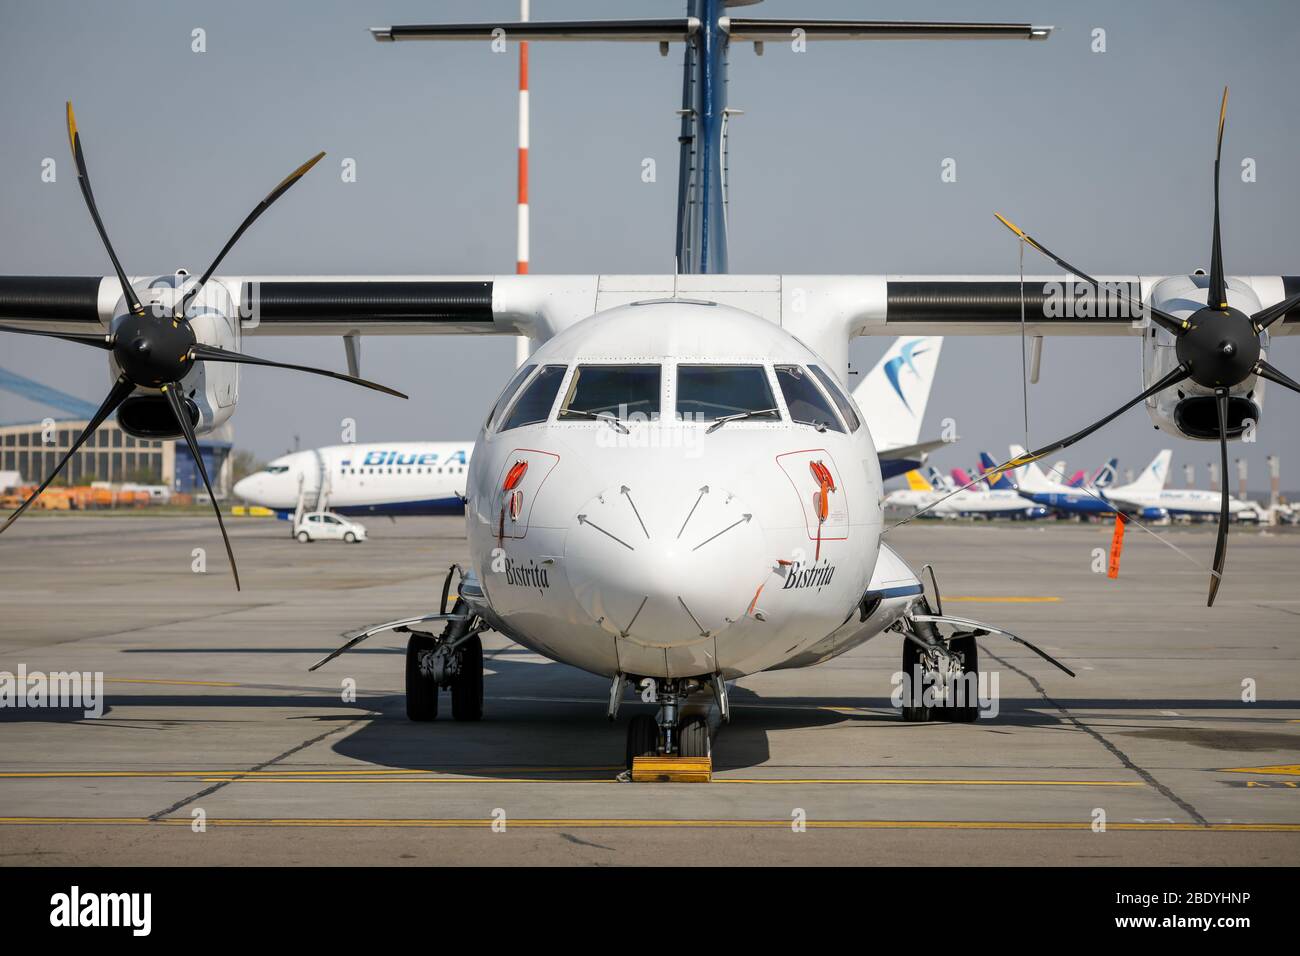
[
  {"x": 941, "y": 675},
  {"x": 670, "y": 732},
  {"x": 939, "y": 682},
  {"x": 451, "y": 660}
]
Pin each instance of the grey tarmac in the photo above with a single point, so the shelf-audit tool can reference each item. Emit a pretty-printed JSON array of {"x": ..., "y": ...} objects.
[{"x": 211, "y": 715}]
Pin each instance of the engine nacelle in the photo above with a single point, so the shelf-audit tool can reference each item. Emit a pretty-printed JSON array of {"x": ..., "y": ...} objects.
[
  {"x": 211, "y": 389},
  {"x": 1188, "y": 410}
]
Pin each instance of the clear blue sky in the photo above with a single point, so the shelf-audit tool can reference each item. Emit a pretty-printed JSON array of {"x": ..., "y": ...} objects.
[{"x": 834, "y": 168}]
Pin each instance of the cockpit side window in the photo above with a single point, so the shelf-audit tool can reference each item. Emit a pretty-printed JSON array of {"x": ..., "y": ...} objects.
[
  {"x": 808, "y": 406},
  {"x": 276, "y": 469},
  {"x": 616, "y": 391},
  {"x": 534, "y": 405},
  {"x": 710, "y": 392},
  {"x": 507, "y": 393},
  {"x": 841, "y": 400}
]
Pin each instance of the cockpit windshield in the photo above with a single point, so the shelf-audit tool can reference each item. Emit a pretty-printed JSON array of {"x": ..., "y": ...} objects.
[
  {"x": 808, "y": 406},
  {"x": 612, "y": 391},
  {"x": 712, "y": 392},
  {"x": 534, "y": 403},
  {"x": 842, "y": 401},
  {"x": 507, "y": 393},
  {"x": 276, "y": 469}
]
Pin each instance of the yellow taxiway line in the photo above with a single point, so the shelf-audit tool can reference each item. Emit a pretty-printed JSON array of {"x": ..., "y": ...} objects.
[
  {"x": 483, "y": 775},
  {"x": 629, "y": 824},
  {"x": 182, "y": 683},
  {"x": 1001, "y": 599}
]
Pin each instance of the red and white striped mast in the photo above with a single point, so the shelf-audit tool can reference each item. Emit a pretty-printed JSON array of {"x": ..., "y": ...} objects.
[{"x": 521, "y": 226}]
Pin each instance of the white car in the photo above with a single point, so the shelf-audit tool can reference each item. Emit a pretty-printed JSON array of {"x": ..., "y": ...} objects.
[{"x": 327, "y": 526}]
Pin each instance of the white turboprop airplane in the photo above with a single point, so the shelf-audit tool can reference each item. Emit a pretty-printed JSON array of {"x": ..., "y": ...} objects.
[
  {"x": 1148, "y": 491},
  {"x": 675, "y": 491},
  {"x": 386, "y": 478}
]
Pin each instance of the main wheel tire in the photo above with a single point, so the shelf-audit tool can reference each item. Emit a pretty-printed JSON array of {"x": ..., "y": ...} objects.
[
  {"x": 467, "y": 687},
  {"x": 911, "y": 668},
  {"x": 969, "y": 712},
  {"x": 693, "y": 738},
  {"x": 642, "y": 738},
  {"x": 304, "y": 537},
  {"x": 421, "y": 690}
]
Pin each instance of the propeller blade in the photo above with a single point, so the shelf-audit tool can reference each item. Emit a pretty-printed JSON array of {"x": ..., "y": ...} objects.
[
  {"x": 120, "y": 390},
  {"x": 83, "y": 180},
  {"x": 980, "y": 629},
  {"x": 1266, "y": 317},
  {"x": 211, "y": 353},
  {"x": 98, "y": 341},
  {"x": 252, "y": 217},
  {"x": 401, "y": 625},
  {"x": 1221, "y": 543},
  {"x": 1218, "y": 295},
  {"x": 1159, "y": 316},
  {"x": 1173, "y": 378},
  {"x": 173, "y": 393},
  {"x": 1264, "y": 370}
]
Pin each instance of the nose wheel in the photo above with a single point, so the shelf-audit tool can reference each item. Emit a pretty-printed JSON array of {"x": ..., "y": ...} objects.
[
  {"x": 693, "y": 738},
  {"x": 669, "y": 733},
  {"x": 642, "y": 738}
]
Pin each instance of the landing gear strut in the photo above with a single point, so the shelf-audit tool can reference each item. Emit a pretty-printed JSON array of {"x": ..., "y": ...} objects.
[
  {"x": 453, "y": 660},
  {"x": 940, "y": 681},
  {"x": 670, "y": 732}
]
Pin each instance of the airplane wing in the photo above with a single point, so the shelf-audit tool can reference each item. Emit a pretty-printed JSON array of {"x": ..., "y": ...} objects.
[
  {"x": 760, "y": 29},
  {"x": 912, "y": 452},
  {"x": 674, "y": 29},
  {"x": 662, "y": 29},
  {"x": 821, "y": 309}
]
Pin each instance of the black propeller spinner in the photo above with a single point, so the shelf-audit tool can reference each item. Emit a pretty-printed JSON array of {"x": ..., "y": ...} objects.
[
  {"x": 1218, "y": 347},
  {"x": 155, "y": 349}
]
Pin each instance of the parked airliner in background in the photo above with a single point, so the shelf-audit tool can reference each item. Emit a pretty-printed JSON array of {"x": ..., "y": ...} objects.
[
  {"x": 974, "y": 502},
  {"x": 1148, "y": 492},
  {"x": 1082, "y": 500},
  {"x": 387, "y": 478},
  {"x": 1037, "y": 487}
]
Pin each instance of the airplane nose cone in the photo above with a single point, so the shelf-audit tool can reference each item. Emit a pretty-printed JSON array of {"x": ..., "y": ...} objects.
[
  {"x": 246, "y": 488},
  {"x": 666, "y": 566}
]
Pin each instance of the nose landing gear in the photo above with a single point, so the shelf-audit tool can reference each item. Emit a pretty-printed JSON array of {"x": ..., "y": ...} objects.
[{"x": 676, "y": 730}]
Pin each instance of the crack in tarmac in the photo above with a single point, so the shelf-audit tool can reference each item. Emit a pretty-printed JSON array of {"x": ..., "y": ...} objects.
[
  {"x": 154, "y": 817},
  {"x": 1114, "y": 751}
]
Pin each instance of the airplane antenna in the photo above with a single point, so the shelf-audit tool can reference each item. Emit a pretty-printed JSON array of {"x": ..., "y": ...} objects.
[{"x": 521, "y": 227}]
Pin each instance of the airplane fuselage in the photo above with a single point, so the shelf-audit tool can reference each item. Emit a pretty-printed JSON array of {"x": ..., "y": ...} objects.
[{"x": 385, "y": 478}]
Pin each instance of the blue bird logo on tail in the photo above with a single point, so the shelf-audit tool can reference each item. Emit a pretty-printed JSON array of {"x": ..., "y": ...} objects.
[{"x": 906, "y": 356}]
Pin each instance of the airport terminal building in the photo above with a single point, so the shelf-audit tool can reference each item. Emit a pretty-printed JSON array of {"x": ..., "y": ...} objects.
[
  {"x": 32, "y": 449},
  {"x": 108, "y": 455}
]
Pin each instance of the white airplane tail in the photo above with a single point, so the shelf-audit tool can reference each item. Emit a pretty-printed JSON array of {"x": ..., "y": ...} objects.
[
  {"x": 895, "y": 392},
  {"x": 1153, "y": 475},
  {"x": 1030, "y": 477}
]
